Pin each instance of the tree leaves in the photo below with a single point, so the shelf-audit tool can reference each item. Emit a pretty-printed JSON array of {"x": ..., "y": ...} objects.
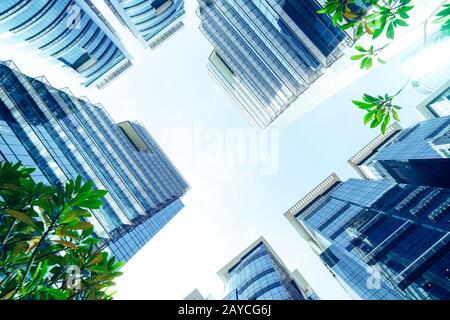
[
  {"x": 44, "y": 234},
  {"x": 21, "y": 217},
  {"x": 374, "y": 18},
  {"x": 67, "y": 244},
  {"x": 81, "y": 226},
  {"x": 443, "y": 17},
  {"x": 380, "y": 110},
  {"x": 379, "y": 18},
  {"x": 390, "y": 33},
  {"x": 54, "y": 293},
  {"x": 86, "y": 197},
  {"x": 367, "y": 56}
]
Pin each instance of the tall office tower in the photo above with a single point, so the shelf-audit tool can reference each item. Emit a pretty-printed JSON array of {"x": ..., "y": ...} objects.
[
  {"x": 278, "y": 59},
  {"x": 151, "y": 21},
  {"x": 437, "y": 103},
  {"x": 259, "y": 274},
  {"x": 268, "y": 52},
  {"x": 195, "y": 295},
  {"x": 73, "y": 32},
  {"x": 418, "y": 155},
  {"x": 63, "y": 136},
  {"x": 381, "y": 240}
]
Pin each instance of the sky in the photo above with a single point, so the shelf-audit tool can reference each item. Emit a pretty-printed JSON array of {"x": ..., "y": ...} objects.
[{"x": 239, "y": 191}]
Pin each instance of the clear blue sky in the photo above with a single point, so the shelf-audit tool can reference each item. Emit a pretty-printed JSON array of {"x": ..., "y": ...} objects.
[{"x": 229, "y": 206}]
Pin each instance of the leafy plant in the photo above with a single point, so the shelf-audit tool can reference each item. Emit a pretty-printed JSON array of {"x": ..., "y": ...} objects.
[
  {"x": 47, "y": 247},
  {"x": 444, "y": 19},
  {"x": 375, "y": 18},
  {"x": 380, "y": 110},
  {"x": 367, "y": 56}
]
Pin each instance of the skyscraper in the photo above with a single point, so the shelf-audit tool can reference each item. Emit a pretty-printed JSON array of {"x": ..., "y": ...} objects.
[
  {"x": 437, "y": 103},
  {"x": 194, "y": 295},
  {"x": 382, "y": 240},
  {"x": 268, "y": 52},
  {"x": 417, "y": 155},
  {"x": 259, "y": 274},
  {"x": 151, "y": 21},
  {"x": 73, "y": 32},
  {"x": 63, "y": 136},
  {"x": 278, "y": 59}
]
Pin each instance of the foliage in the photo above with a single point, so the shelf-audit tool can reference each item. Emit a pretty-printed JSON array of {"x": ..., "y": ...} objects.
[
  {"x": 377, "y": 18},
  {"x": 367, "y": 56},
  {"x": 379, "y": 109},
  {"x": 45, "y": 239},
  {"x": 444, "y": 19},
  {"x": 374, "y": 19}
]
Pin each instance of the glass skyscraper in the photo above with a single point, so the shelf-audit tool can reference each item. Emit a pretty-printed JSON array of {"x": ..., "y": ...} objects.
[
  {"x": 151, "y": 21},
  {"x": 63, "y": 136},
  {"x": 73, "y": 32},
  {"x": 437, "y": 104},
  {"x": 259, "y": 274},
  {"x": 382, "y": 240},
  {"x": 268, "y": 52},
  {"x": 417, "y": 155}
]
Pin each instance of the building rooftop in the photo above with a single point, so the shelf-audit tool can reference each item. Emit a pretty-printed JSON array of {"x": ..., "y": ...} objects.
[{"x": 223, "y": 273}]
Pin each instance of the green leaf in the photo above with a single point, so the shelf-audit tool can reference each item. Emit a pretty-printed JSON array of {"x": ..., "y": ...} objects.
[
  {"x": 55, "y": 293},
  {"x": 87, "y": 187},
  {"x": 366, "y": 63},
  {"x": 375, "y": 123},
  {"x": 385, "y": 123},
  {"x": 118, "y": 265},
  {"x": 380, "y": 114},
  {"x": 70, "y": 188},
  {"x": 81, "y": 213},
  {"x": 69, "y": 218},
  {"x": 369, "y": 98},
  {"x": 91, "y": 204},
  {"x": 357, "y": 57},
  {"x": 97, "y": 194},
  {"x": 377, "y": 32},
  {"x": 395, "y": 115},
  {"x": 8, "y": 295},
  {"x": 81, "y": 226},
  {"x": 401, "y": 23},
  {"x": 62, "y": 232},
  {"x": 445, "y": 12},
  {"x": 363, "y": 105},
  {"x": 369, "y": 116},
  {"x": 390, "y": 33},
  {"x": 77, "y": 184},
  {"x": 21, "y": 217},
  {"x": 67, "y": 244}
]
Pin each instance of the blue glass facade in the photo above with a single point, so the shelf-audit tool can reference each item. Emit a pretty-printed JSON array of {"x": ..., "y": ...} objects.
[
  {"x": 71, "y": 31},
  {"x": 142, "y": 231},
  {"x": 151, "y": 21},
  {"x": 268, "y": 52},
  {"x": 439, "y": 104},
  {"x": 381, "y": 239},
  {"x": 417, "y": 155},
  {"x": 259, "y": 275},
  {"x": 63, "y": 136}
]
